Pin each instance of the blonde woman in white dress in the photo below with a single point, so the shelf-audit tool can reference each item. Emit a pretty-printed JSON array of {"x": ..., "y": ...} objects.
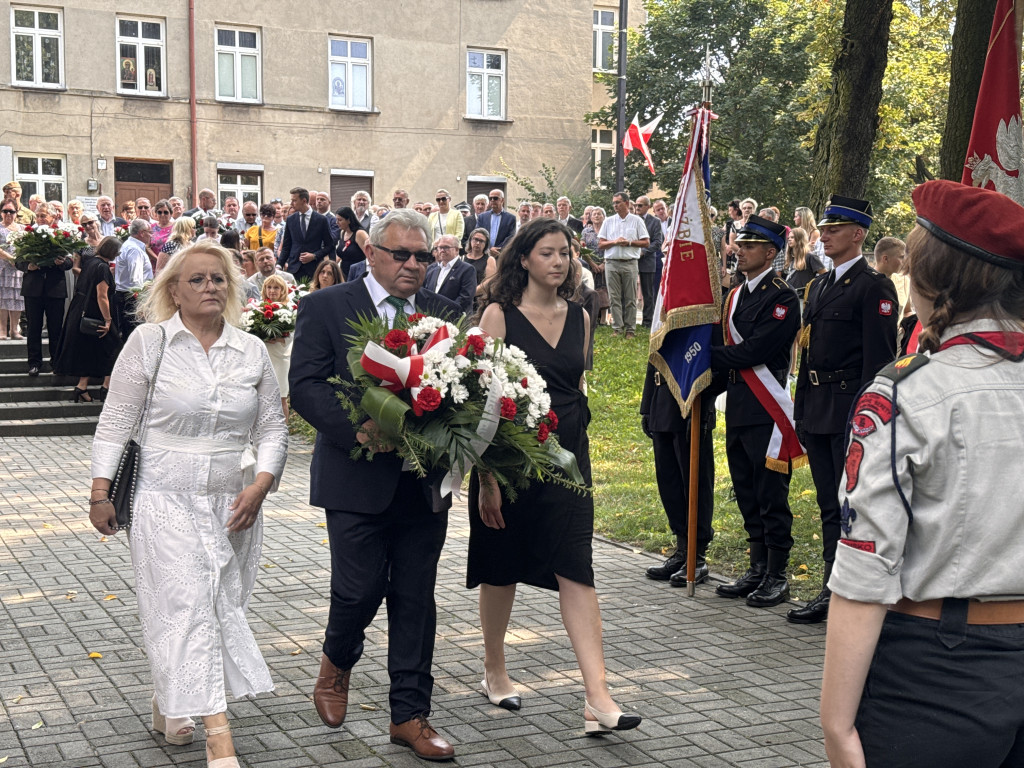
[
  {"x": 280, "y": 350},
  {"x": 197, "y": 531}
]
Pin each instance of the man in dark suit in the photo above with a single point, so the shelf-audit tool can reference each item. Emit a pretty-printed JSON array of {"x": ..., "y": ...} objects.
[
  {"x": 44, "y": 290},
  {"x": 497, "y": 221},
  {"x": 385, "y": 525},
  {"x": 468, "y": 221},
  {"x": 761, "y": 320},
  {"x": 356, "y": 271},
  {"x": 648, "y": 264},
  {"x": 850, "y": 322},
  {"x": 564, "y": 208},
  {"x": 450, "y": 276},
  {"x": 307, "y": 238}
]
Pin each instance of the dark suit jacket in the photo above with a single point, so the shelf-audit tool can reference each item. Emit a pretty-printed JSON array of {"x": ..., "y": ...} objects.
[
  {"x": 459, "y": 286},
  {"x": 317, "y": 241},
  {"x": 853, "y": 328},
  {"x": 649, "y": 255},
  {"x": 357, "y": 271},
  {"x": 659, "y": 405},
  {"x": 45, "y": 282},
  {"x": 320, "y": 351},
  {"x": 469, "y": 224},
  {"x": 506, "y": 229},
  {"x": 576, "y": 225}
]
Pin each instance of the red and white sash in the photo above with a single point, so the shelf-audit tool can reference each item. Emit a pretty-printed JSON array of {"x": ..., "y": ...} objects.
[{"x": 784, "y": 448}]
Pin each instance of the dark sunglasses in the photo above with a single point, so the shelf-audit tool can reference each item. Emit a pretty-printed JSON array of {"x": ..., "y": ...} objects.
[
  {"x": 441, "y": 199},
  {"x": 494, "y": 198},
  {"x": 163, "y": 211},
  {"x": 142, "y": 207},
  {"x": 8, "y": 211},
  {"x": 422, "y": 257}
]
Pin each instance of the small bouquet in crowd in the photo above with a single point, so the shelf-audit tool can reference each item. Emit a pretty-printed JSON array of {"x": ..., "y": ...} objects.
[
  {"x": 42, "y": 244},
  {"x": 138, "y": 291},
  {"x": 271, "y": 320},
  {"x": 122, "y": 232},
  {"x": 446, "y": 399}
]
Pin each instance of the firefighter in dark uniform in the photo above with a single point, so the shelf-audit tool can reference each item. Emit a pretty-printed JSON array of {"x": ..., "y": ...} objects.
[
  {"x": 761, "y": 318},
  {"x": 849, "y": 335}
]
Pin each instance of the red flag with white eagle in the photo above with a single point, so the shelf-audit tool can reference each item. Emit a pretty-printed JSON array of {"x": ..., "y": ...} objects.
[
  {"x": 995, "y": 155},
  {"x": 637, "y": 137}
]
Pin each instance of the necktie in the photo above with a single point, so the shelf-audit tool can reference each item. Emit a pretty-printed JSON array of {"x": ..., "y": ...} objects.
[
  {"x": 302, "y": 223},
  {"x": 398, "y": 303},
  {"x": 829, "y": 282}
]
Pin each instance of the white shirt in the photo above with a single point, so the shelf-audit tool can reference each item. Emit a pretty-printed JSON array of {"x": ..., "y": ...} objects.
[
  {"x": 443, "y": 272},
  {"x": 753, "y": 283},
  {"x": 631, "y": 227},
  {"x": 379, "y": 298},
  {"x": 132, "y": 267},
  {"x": 106, "y": 227},
  {"x": 842, "y": 269}
]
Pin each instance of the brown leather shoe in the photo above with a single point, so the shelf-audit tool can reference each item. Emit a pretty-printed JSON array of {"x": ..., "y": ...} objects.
[
  {"x": 418, "y": 735},
  {"x": 330, "y": 695}
]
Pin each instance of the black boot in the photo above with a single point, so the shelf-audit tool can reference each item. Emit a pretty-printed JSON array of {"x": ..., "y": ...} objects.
[
  {"x": 675, "y": 561},
  {"x": 700, "y": 573},
  {"x": 749, "y": 581},
  {"x": 815, "y": 611},
  {"x": 774, "y": 589}
]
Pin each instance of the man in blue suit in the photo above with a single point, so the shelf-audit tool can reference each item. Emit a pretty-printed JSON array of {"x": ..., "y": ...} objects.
[
  {"x": 307, "y": 238},
  {"x": 450, "y": 276},
  {"x": 500, "y": 223},
  {"x": 385, "y": 525}
]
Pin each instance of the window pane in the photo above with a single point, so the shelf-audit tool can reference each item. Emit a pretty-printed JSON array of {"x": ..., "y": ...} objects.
[
  {"x": 606, "y": 137},
  {"x": 250, "y": 197},
  {"x": 225, "y": 194},
  {"x": 50, "y": 49},
  {"x": 225, "y": 37},
  {"x": 28, "y": 188},
  {"x": 608, "y": 55},
  {"x": 339, "y": 48},
  {"x": 606, "y": 158},
  {"x": 593, "y": 135},
  {"x": 154, "y": 76},
  {"x": 359, "y": 85},
  {"x": 597, "y": 16},
  {"x": 129, "y": 67},
  {"x": 223, "y": 179},
  {"x": 54, "y": 190},
  {"x": 338, "y": 85},
  {"x": 249, "y": 89},
  {"x": 248, "y": 180},
  {"x": 494, "y": 96},
  {"x": 52, "y": 166},
  {"x": 494, "y": 61},
  {"x": 246, "y": 39},
  {"x": 597, "y": 55},
  {"x": 476, "y": 60},
  {"x": 226, "y": 75},
  {"x": 49, "y": 21},
  {"x": 151, "y": 30},
  {"x": 25, "y": 70},
  {"x": 28, "y": 165},
  {"x": 474, "y": 95},
  {"x": 26, "y": 19},
  {"x": 359, "y": 50},
  {"x": 607, "y": 19},
  {"x": 127, "y": 28}
]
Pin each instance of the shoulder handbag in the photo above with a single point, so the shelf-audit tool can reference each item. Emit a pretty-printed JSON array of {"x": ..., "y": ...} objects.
[
  {"x": 90, "y": 326},
  {"x": 122, "y": 488}
]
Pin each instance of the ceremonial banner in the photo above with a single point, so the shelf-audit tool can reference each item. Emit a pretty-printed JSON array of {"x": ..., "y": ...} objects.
[
  {"x": 690, "y": 295},
  {"x": 995, "y": 155}
]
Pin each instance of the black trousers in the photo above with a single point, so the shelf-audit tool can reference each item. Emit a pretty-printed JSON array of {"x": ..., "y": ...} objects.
[
  {"x": 388, "y": 557},
  {"x": 944, "y": 695},
  {"x": 761, "y": 493},
  {"x": 647, "y": 292},
  {"x": 827, "y": 455},
  {"x": 37, "y": 308},
  {"x": 672, "y": 468},
  {"x": 124, "y": 313}
]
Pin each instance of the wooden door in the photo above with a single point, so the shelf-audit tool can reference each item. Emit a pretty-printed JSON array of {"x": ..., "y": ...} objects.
[{"x": 141, "y": 178}]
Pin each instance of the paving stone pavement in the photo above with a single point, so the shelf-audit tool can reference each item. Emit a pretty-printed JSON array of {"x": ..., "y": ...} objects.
[{"x": 719, "y": 684}]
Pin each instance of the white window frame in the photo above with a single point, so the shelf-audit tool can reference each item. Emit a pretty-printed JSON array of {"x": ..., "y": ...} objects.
[
  {"x": 36, "y": 34},
  {"x": 238, "y": 189},
  {"x": 40, "y": 179},
  {"x": 140, "y": 42},
  {"x": 484, "y": 74},
  {"x": 237, "y": 52},
  {"x": 596, "y": 147},
  {"x": 348, "y": 62},
  {"x": 599, "y": 30}
]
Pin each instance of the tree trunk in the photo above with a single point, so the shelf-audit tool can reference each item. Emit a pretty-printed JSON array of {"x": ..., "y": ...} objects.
[
  {"x": 842, "y": 145},
  {"x": 967, "y": 62}
]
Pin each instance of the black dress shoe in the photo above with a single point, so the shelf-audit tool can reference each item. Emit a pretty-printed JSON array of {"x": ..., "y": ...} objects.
[
  {"x": 773, "y": 590},
  {"x": 744, "y": 585},
  {"x": 664, "y": 571},
  {"x": 814, "y": 612},
  {"x": 700, "y": 574},
  {"x": 33, "y": 370}
]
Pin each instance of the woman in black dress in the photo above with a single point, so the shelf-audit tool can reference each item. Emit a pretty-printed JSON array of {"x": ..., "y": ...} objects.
[
  {"x": 81, "y": 354},
  {"x": 545, "y": 537},
  {"x": 353, "y": 238}
]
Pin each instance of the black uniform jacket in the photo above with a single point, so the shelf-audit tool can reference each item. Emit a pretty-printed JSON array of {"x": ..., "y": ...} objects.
[
  {"x": 852, "y": 337},
  {"x": 769, "y": 320},
  {"x": 661, "y": 408}
]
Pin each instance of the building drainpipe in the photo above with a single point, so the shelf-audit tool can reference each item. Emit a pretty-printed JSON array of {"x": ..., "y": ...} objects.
[{"x": 192, "y": 99}]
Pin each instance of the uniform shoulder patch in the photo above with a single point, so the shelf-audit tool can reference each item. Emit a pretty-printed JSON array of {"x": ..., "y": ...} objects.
[
  {"x": 903, "y": 367},
  {"x": 779, "y": 283},
  {"x": 780, "y": 311}
]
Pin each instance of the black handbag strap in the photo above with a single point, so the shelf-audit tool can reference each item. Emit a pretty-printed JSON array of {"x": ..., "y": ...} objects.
[{"x": 140, "y": 423}]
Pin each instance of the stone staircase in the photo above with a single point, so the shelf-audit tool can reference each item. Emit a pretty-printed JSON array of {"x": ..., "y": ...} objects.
[{"x": 40, "y": 405}]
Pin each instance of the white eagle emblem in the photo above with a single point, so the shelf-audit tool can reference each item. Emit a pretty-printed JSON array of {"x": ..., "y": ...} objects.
[{"x": 1010, "y": 149}]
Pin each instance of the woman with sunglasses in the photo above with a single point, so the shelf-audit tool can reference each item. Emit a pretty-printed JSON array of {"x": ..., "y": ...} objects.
[
  {"x": 353, "y": 238},
  {"x": 161, "y": 229},
  {"x": 263, "y": 234},
  {"x": 11, "y": 302}
]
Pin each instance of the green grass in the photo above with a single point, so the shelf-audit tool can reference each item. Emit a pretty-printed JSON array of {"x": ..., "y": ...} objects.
[{"x": 627, "y": 507}]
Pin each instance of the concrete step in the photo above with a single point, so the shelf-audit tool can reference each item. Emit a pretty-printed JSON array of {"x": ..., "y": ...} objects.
[
  {"x": 45, "y": 379},
  {"x": 13, "y": 348},
  {"x": 37, "y": 394},
  {"x": 76, "y": 425},
  {"x": 13, "y": 365},
  {"x": 51, "y": 409}
]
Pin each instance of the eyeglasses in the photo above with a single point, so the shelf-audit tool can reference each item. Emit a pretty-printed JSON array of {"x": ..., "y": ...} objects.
[
  {"x": 142, "y": 207},
  {"x": 422, "y": 257},
  {"x": 163, "y": 211},
  {"x": 198, "y": 282},
  {"x": 277, "y": 200},
  {"x": 399, "y": 199},
  {"x": 443, "y": 248},
  {"x": 249, "y": 213},
  {"x": 8, "y": 212},
  {"x": 494, "y": 197},
  {"x": 441, "y": 199}
]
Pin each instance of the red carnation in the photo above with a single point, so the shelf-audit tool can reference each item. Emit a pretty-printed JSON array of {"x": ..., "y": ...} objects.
[
  {"x": 416, "y": 317},
  {"x": 268, "y": 314},
  {"x": 429, "y": 399},
  {"x": 508, "y": 408},
  {"x": 543, "y": 432},
  {"x": 29, "y": 228},
  {"x": 523, "y": 382},
  {"x": 397, "y": 339},
  {"x": 552, "y": 418},
  {"x": 275, "y": 305},
  {"x": 477, "y": 343}
]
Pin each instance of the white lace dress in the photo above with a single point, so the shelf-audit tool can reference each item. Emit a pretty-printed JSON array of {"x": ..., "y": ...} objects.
[{"x": 193, "y": 579}]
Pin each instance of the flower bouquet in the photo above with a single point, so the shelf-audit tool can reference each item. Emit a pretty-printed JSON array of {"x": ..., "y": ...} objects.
[
  {"x": 271, "y": 320},
  {"x": 122, "y": 232},
  {"x": 446, "y": 399},
  {"x": 137, "y": 291},
  {"x": 42, "y": 244}
]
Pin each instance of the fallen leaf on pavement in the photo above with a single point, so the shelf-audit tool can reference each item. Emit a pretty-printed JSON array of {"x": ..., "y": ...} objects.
[
  {"x": 47, "y": 525},
  {"x": 103, "y": 538},
  {"x": 296, "y": 652},
  {"x": 71, "y": 595},
  {"x": 368, "y": 707},
  {"x": 321, "y": 525},
  {"x": 324, "y": 541},
  {"x": 17, "y": 699},
  {"x": 4, "y": 759},
  {"x": 95, "y": 655},
  {"x": 110, "y": 597},
  {"x": 37, "y": 726},
  {"x": 269, "y": 565}
]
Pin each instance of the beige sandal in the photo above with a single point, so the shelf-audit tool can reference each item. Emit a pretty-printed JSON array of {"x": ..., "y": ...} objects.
[
  {"x": 220, "y": 762},
  {"x": 176, "y": 730}
]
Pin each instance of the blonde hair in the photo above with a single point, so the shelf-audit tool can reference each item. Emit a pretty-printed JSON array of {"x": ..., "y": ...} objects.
[
  {"x": 184, "y": 230},
  {"x": 274, "y": 280},
  {"x": 157, "y": 302},
  {"x": 796, "y": 255},
  {"x": 807, "y": 222}
]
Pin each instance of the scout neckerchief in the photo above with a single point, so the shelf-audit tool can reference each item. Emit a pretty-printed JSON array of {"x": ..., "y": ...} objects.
[{"x": 1005, "y": 344}]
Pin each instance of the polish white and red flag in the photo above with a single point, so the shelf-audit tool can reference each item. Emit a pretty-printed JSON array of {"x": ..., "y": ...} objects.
[{"x": 637, "y": 137}]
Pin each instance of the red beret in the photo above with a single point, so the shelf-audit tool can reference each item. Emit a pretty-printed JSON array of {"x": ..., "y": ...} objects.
[{"x": 980, "y": 222}]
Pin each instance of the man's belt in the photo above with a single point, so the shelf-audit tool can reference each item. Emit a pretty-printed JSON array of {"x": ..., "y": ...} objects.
[
  {"x": 827, "y": 377},
  {"x": 989, "y": 612}
]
